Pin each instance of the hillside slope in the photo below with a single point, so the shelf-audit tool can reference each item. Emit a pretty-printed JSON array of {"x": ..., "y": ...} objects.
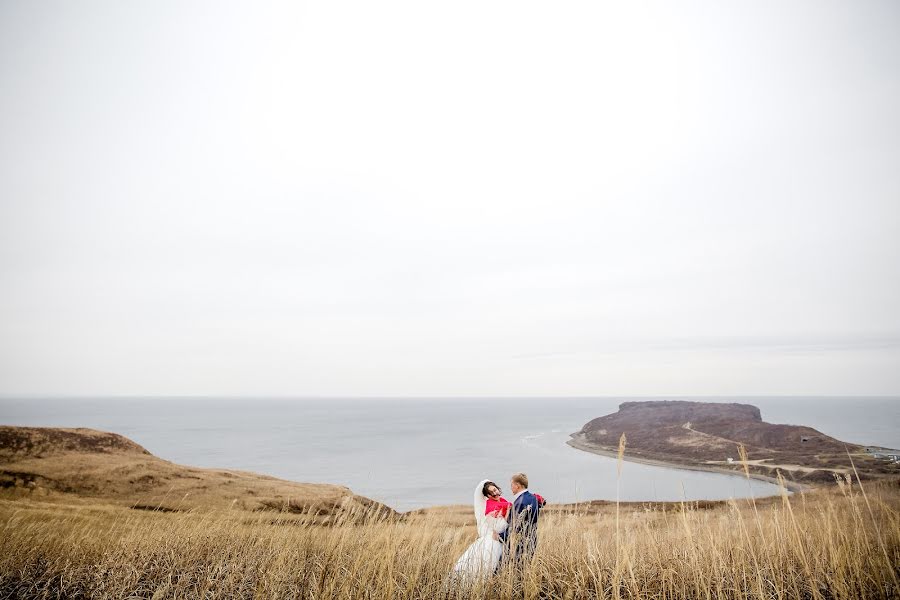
[{"x": 44, "y": 462}]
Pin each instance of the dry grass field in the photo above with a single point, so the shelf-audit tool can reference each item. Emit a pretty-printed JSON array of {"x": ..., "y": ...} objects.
[
  {"x": 842, "y": 542},
  {"x": 86, "y": 514}
]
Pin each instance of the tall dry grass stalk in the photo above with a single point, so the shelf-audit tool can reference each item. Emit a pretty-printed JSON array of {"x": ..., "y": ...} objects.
[
  {"x": 836, "y": 544},
  {"x": 620, "y": 458},
  {"x": 745, "y": 462}
]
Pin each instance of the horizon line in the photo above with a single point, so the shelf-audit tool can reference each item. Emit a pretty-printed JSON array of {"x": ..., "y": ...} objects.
[{"x": 423, "y": 397}]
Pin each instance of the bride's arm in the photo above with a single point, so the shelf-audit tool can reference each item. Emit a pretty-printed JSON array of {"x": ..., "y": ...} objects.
[{"x": 494, "y": 514}]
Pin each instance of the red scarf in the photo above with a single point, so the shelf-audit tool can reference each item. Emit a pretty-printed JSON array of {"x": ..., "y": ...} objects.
[{"x": 500, "y": 506}]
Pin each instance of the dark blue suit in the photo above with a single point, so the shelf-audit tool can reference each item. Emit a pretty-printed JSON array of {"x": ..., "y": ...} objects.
[{"x": 520, "y": 538}]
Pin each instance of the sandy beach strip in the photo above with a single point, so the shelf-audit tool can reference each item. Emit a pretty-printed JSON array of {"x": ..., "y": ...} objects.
[{"x": 579, "y": 442}]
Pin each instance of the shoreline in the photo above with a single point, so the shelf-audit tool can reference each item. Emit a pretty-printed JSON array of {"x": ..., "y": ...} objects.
[{"x": 578, "y": 442}]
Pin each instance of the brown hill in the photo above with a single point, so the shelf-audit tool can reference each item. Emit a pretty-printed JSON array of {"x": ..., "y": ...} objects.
[
  {"x": 17, "y": 443},
  {"x": 706, "y": 434},
  {"x": 44, "y": 462}
]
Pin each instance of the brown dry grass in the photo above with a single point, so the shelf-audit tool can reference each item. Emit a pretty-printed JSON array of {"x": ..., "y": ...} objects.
[
  {"x": 832, "y": 543},
  {"x": 71, "y": 531}
]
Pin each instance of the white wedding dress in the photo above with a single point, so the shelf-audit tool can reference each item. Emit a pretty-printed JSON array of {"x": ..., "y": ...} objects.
[{"x": 482, "y": 557}]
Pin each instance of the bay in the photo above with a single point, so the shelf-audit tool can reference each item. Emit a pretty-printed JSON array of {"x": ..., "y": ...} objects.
[{"x": 415, "y": 452}]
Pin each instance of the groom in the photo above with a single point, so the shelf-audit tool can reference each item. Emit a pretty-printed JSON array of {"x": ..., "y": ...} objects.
[{"x": 520, "y": 538}]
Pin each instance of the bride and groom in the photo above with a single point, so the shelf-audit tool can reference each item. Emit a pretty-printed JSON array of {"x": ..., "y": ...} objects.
[{"x": 505, "y": 530}]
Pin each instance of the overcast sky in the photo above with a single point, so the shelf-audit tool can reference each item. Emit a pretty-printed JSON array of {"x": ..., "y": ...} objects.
[{"x": 460, "y": 198}]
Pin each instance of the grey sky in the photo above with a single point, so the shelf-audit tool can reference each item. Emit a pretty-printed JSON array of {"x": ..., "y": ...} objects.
[{"x": 498, "y": 198}]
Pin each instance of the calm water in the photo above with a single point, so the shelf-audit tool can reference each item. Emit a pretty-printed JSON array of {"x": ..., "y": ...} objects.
[{"x": 420, "y": 452}]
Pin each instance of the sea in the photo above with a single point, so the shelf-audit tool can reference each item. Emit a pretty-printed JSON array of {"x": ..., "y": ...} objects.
[{"x": 411, "y": 453}]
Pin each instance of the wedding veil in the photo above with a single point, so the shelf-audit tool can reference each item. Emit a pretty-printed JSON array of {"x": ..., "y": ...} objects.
[{"x": 479, "y": 503}]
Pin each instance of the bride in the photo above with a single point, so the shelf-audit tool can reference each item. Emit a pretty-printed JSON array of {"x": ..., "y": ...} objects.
[{"x": 482, "y": 557}]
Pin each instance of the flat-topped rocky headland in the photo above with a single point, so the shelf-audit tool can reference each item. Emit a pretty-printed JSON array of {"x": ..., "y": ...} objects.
[{"x": 706, "y": 436}]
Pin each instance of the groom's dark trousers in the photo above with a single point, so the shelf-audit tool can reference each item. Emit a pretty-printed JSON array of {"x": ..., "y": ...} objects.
[{"x": 520, "y": 538}]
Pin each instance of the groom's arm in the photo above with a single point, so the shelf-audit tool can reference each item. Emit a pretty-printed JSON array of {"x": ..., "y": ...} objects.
[{"x": 528, "y": 515}]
